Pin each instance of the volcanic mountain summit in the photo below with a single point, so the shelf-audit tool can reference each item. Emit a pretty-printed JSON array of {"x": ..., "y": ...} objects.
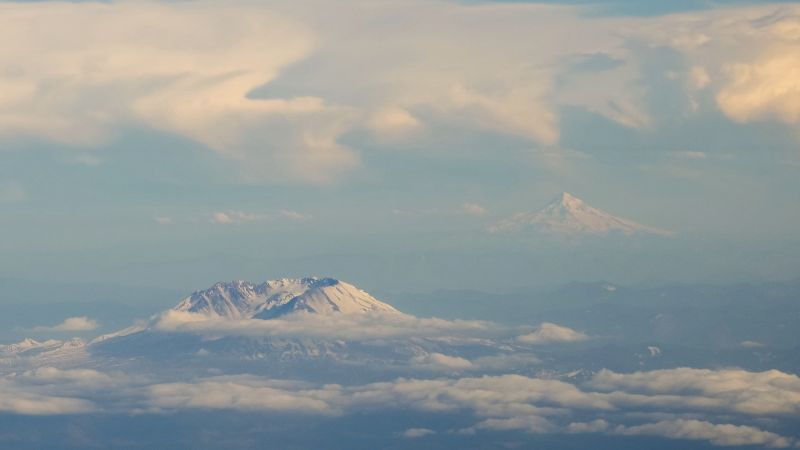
[
  {"x": 244, "y": 300},
  {"x": 569, "y": 215}
]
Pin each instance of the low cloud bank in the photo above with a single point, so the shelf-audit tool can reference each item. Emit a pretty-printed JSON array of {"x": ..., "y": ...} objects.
[
  {"x": 548, "y": 333},
  {"x": 717, "y": 434},
  {"x": 81, "y": 323},
  {"x": 696, "y": 404},
  {"x": 354, "y": 327}
]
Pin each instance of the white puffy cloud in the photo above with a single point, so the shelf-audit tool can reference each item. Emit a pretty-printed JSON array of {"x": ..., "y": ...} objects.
[
  {"x": 527, "y": 423},
  {"x": 80, "y": 323},
  {"x": 15, "y": 399},
  {"x": 506, "y": 402},
  {"x": 548, "y": 333},
  {"x": 222, "y": 218},
  {"x": 504, "y": 396},
  {"x": 595, "y": 426},
  {"x": 231, "y": 217},
  {"x": 227, "y": 75},
  {"x": 474, "y": 209},
  {"x": 763, "y": 89},
  {"x": 756, "y": 393},
  {"x": 493, "y": 397},
  {"x": 698, "y": 77},
  {"x": 439, "y": 361},
  {"x": 747, "y": 57},
  {"x": 244, "y": 393},
  {"x": 673, "y": 403},
  {"x": 52, "y": 375},
  {"x": 414, "y": 72},
  {"x": 80, "y": 71},
  {"x": 717, "y": 434},
  {"x": 393, "y": 122},
  {"x": 337, "y": 326},
  {"x": 760, "y": 84},
  {"x": 48, "y": 391},
  {"x": 413, "y": 433}
]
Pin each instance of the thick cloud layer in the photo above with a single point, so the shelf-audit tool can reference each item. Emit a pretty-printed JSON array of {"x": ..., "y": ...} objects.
[
  {"x": 80, "y": 323},
  {"x": 771, "y": 392},
  {"x": 226, "y": 75},
  {"x": 353, "y": 327},
  {"x": 621, "y": 403},
  {"x": 717, "y": 434}
]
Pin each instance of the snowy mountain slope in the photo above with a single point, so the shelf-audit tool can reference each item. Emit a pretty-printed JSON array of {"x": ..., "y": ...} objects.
[
  {"x": 569, "y": 215},
  {"x": 33, "y": 353},
  {"x": 26, "y": 345},
  {"x": 328, "y": 296},
  {"x": 313, "y": 301},
  {"x": 290, "y": 325},
  {"x": 244, "y": 300}
]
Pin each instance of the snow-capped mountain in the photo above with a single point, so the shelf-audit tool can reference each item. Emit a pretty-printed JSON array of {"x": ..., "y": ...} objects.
[
  {"x": 569, "y": 215},
  {"x": 294, "y": 325},
  {"x": 244, "y": 300},
  {"x": 313, "y": 302}
]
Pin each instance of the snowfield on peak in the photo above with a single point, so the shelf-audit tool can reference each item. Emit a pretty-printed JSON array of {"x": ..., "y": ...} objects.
[
  {"x": 271, "y": 299},
  {"x": 569, "y": 215}
]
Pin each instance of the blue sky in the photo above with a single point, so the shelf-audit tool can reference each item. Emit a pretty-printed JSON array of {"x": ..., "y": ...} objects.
[{"x": 166, "y": 144}]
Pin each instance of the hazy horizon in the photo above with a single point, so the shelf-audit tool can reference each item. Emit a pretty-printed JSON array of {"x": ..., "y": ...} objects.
[{"x": 225, "y": 153}]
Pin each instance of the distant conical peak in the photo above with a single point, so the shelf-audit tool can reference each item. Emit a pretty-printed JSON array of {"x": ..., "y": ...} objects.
[
  {"x": 568, "y": 200},
  {"x": 569, "y": 215}
]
